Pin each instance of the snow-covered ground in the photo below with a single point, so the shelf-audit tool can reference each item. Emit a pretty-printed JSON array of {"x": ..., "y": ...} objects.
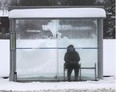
[{"x": 105, "y": 85}]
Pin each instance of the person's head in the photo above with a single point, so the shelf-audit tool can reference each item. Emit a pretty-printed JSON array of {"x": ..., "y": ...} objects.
[{"x": 70, "y": 48}]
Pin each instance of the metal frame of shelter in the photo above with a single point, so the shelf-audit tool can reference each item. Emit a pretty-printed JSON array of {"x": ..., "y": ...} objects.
[{"x": 13, "y": 73}]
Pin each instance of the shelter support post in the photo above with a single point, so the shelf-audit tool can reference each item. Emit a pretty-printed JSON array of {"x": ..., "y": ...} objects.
[
  {"x": 13, "y": 74},
  {"x": 100, "y": 48}
]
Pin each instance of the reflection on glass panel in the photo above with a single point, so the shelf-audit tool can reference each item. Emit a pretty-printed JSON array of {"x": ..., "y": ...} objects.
[
  {"x": 32, "y": 29},
  {"x": 56, "y": 28},
  {"x": 78, "y": 28},
  {"x": 39, "y": 43},
  {"x": 78, "y": 43},
  {"x": 88, "y": 59},
  {"x": 82, "y": 33},
  {"x": 79, "y": 32},
  {"x": 36, "y": 63}
]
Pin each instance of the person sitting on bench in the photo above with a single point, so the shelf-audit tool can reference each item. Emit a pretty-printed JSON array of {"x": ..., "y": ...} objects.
[{"x": 71, "y": 59}]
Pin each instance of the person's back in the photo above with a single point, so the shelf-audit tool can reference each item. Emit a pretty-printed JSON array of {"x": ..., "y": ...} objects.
[{"x": 71, "y": 61}]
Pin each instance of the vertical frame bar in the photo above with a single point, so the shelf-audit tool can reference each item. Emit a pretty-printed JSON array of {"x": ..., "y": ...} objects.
[
  {"x": 95, "y": 73},
  {"x": 100, "y": 48},
  {"x": 12, "y": 76}
]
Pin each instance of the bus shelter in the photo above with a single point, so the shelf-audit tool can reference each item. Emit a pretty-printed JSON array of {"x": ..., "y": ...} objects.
[{"x": 39, "y": 38}]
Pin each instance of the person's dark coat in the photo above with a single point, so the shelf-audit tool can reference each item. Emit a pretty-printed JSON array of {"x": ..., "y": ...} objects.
[{"x": 71, "y": 57}]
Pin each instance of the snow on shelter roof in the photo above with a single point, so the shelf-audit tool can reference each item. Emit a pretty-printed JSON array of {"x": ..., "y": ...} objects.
[{"x": 58, "y": 13}]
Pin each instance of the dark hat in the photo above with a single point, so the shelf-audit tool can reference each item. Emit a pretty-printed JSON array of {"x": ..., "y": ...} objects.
[{"x": 70, "y": 48}]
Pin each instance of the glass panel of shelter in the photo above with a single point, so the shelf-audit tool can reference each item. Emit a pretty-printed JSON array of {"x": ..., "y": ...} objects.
[
  {"x": 42, "y": 43},
  {"x": 36, "y": 50},
  {"x": 82, "y": 33}
]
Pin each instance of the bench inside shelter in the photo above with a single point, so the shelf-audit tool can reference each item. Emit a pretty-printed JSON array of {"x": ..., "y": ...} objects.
[{"x": 80, "y": 71}]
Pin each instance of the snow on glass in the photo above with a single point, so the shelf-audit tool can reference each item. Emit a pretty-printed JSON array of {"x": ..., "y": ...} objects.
[{"x": 41, "y": 45}]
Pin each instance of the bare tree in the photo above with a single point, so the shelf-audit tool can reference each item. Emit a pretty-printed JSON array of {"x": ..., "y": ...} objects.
[
  {"x": 52, "y": 2},
  {"x": 4, "y": 4},
  {"x": 109, "y": 21}
]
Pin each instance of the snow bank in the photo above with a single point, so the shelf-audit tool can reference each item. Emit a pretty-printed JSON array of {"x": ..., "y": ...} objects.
[
  {"x": 109, "y": 59},
  {"x": 58, "y": 12},
  {"x": 106, "y": 85},
  {"x": 4, "y": 57}
]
